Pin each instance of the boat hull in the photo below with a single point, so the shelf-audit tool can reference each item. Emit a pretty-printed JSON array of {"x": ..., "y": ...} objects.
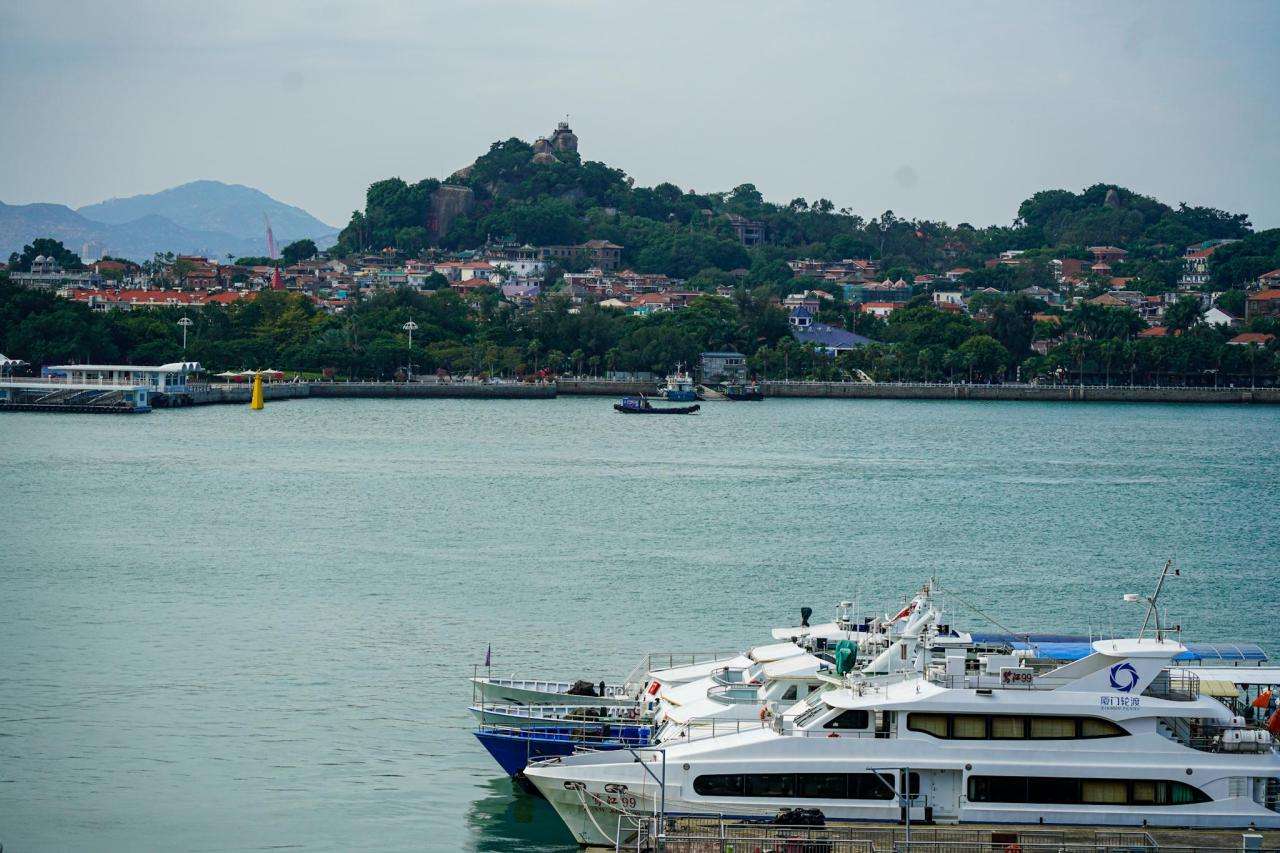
[
  {"x": 513, "y": 749},
  {"x": 677, "y": 410}
]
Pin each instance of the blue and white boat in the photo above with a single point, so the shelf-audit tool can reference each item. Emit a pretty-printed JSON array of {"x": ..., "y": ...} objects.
[
  {"x": 679, "y": 387},
  {"x": 551, "y": 716},
  {"x": 514, "y": 748}
]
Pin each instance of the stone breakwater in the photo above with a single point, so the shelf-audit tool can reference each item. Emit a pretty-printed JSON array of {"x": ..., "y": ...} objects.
[
  {"x": 1034, "y": 393},
  {"x": 829, "y": 390}
]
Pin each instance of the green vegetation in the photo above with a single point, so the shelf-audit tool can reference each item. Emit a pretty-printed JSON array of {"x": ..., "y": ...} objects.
[
  {"x": 561, "y": 199},
  {"x": 67, "y": 259}
]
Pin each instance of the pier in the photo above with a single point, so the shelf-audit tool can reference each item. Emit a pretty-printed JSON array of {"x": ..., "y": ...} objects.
[
  {"x": 694, "y": 835},
  {"x": 1018, "y": 392}
]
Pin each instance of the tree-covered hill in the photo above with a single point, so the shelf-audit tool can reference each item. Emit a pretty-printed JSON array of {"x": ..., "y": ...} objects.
[{"x": 664, "y": 229}]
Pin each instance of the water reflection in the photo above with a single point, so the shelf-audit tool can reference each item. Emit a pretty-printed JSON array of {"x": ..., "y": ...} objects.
[{"x": 504, "y": 817}]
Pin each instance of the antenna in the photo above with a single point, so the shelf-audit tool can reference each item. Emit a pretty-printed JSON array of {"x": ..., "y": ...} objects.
[{"x": 1153, "y": 602}]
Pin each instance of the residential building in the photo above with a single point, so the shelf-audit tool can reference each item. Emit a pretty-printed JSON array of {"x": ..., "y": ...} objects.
[
  {"x": 47, "y": 274},
  {"x": 828, "y": 339},
  {"x": 1107, "y": 254},
  {"x": 1264, "y": 303},
  {"x": 722, "y": 366},
  {"x": 748, "y": 231},
  {"x": 881, "y": 309},
  {"x": 1254, "y": 339}
]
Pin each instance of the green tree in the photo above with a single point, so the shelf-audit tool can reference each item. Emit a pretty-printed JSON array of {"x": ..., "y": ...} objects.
[{"x": 299, "y": 250}]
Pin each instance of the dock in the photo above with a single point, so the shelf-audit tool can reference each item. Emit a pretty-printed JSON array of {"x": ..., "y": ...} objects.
[{"x": 712, "y": 835}]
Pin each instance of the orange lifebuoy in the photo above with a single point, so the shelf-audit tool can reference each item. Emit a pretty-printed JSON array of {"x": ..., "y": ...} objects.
[{"x": 1015, "y": 847}]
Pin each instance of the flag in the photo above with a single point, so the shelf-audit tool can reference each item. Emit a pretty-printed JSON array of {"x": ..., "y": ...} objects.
[
  {"x": 1263, "y": 700},
  {"x": 488, "y": 655},
  {"x": 906, "y": 611}
]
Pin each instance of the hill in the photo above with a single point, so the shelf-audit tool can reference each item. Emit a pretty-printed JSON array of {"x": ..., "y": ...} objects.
[
  {"x": 137, "y": 240},
  {"x": 215, "y": 207}
]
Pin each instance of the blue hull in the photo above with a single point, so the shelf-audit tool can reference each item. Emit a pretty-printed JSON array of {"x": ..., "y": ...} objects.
[
  {"x": 681, "y": 396},
  {"x": 513, "y": 749}
]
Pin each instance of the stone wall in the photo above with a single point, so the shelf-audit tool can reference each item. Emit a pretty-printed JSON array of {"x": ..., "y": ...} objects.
[{"x": 856, "y": 390}]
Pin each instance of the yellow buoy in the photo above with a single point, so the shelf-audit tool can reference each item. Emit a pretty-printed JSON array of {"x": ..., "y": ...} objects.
[{"x": 256, "y": 402}]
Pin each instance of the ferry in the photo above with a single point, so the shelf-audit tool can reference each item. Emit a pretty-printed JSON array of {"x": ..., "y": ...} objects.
[
  {"x": 679, "y": 387},
  {"x": 1116, "y": 738}
]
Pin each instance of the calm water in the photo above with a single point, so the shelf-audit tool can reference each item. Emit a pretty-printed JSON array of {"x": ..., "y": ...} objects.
[{"x": 225, "y": 630}]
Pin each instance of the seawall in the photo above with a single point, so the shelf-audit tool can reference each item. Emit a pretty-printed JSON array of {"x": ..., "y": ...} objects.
[
  {"x": 605, "y": 387},
  {"x": 1034, "y": 393},
  {"x": 370, "y": 390}
]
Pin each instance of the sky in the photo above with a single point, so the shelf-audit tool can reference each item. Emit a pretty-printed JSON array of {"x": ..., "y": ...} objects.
[{"x": 951, "y": 111}]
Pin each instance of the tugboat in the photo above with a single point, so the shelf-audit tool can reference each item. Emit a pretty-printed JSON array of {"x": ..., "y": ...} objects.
[
  {"x": 679, "y": 387},
  {"x": 737, "y": 391},
  {"x": 641, "y": 406}
]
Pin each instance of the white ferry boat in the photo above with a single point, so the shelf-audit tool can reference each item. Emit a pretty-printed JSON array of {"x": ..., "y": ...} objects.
[{"x": 1112, "y": 738}]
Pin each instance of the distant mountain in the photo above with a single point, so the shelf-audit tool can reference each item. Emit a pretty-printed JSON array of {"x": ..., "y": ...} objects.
[
  {"x": 137, "y": 240},
  {"x": 200, "y": 218},
  {"x": 216, "y": 207}
]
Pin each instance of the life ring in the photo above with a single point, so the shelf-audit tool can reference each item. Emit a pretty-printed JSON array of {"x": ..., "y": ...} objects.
[{"x": 1015, "y": 847}]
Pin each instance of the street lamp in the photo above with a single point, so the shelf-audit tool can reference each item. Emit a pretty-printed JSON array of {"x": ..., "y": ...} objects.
[
  {"x": 409, "y": 327},
  {"x": 185, "y": 323}
]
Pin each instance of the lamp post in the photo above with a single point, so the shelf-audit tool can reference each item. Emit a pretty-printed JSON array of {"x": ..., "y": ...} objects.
[
  {"x": 185, "y": 323},
  {"x": 409, "y": 327}
]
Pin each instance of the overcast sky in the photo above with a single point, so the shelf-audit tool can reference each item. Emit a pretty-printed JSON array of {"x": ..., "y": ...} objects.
[{"x": 953, "y": 111}]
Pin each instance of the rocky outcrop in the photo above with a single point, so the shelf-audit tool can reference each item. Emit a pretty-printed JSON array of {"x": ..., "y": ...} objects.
[{"x": 447, "y": 204}]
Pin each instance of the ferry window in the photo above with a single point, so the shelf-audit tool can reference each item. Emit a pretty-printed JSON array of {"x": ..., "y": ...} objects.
[
  {"x": 932, "y": 724},
  {"x": 851, "y": 719},
  {"x": 867, "y": 786},
  {"x": 1097, "y": 727},
  {"x": 822, "y": 786},
  {"x": 790, "y": 695},
  {"x": 968, "y": 727},
  {"x": 771, "y": 785},
  {"x": 719, "y": 785},
  {"x": 1053, "y": 728},
  {"x": 1051, "y": 790},
  {"x": 1008, "y": 728},
  {"x": 1144, "y": 791},
  {"x": 1104, "y": 792}
]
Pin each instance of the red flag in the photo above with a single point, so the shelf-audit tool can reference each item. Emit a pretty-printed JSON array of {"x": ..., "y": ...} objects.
[
  {"x": 1263, "y": 700},
  {"x": 906, "y": 611},
  {"x": 1273, "y": 724}
]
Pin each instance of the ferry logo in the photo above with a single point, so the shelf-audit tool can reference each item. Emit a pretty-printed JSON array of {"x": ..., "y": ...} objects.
[{"x": 1124, "y": 677}]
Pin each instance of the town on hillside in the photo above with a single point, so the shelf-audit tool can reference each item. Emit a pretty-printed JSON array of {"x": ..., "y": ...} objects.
[{"x": 531, "y": 260}]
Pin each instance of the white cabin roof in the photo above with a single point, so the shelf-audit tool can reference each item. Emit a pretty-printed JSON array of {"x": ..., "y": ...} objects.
[{"x": 1144, "y": 648}]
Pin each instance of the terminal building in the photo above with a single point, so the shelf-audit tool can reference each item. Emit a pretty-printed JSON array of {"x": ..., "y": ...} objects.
[{"x": 101, "y": 387}]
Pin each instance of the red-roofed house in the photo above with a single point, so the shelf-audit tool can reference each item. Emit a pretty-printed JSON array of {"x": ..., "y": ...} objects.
[
  {"x": 1254, "y": 339},
  {"x": 1264, "y": 303}
]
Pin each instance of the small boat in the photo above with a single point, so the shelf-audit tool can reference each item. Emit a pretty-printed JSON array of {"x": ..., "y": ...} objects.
[
  {"x": 743, "y": 392},
  {"x": 642, "y": 406},
  {"x": 513, "y": 749},
  {"x": 679, "y": 387}
]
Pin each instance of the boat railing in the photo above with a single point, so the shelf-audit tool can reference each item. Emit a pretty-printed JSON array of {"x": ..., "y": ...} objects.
[
  {"x": 1179, "y": 687},
  {"x": 734, "y": 694},
  {"x": 654, "y": 661},
  {"x": 587, "y": 737},
  {"x": 698, "y": 730}
]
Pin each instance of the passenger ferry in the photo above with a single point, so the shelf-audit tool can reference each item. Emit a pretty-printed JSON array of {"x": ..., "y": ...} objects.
[{"x": 1118, "y": 737}]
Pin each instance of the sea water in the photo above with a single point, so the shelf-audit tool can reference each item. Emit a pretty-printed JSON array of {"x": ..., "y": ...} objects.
[{"x": 233, "y": 630}]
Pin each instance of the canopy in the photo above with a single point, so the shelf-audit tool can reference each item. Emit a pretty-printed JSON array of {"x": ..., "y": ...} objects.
[
  {"x": 227, "y": 373},
  {"x": 5, "y": 361},
  {"x": 1212, "y": 652}
]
